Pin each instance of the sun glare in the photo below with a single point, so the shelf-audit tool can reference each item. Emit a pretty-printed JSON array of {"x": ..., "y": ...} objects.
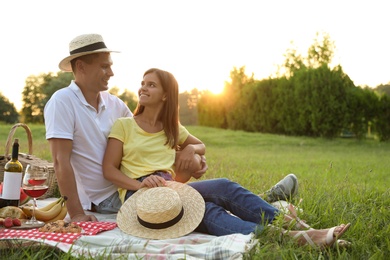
[{"x": 216, "y": 90}]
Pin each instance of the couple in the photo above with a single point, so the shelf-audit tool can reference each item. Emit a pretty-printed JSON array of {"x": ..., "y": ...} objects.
[{"x": 80, "y": 118}]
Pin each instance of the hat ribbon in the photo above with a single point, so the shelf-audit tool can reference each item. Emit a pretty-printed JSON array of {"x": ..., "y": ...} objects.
[
  {"x": 162, "y": 225},
  {"x": 90, "y": 47}
]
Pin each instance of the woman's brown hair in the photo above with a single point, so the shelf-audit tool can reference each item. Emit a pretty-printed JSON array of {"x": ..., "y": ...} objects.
[{"x": 170, "y": 113}]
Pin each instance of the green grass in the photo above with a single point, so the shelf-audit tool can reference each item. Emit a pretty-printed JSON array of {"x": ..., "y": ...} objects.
[
  {"x": 40, "y": 146},
  {"x": 340, "y": 181}
]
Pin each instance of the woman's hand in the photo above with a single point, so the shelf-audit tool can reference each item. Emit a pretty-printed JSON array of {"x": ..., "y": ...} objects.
[{"x": 153, "y": 181}]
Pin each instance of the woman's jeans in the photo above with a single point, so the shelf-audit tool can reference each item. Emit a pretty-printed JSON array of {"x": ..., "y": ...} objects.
[{"x": 222, "y": 195}]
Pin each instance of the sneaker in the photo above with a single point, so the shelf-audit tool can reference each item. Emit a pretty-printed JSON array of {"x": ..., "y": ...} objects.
[{"x": 285, "y": 189}]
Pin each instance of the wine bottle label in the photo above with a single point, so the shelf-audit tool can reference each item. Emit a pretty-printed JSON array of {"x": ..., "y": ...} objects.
[{"x": 11, "y": 185}]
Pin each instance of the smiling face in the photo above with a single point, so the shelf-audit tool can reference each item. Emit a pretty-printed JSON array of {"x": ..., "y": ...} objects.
[
  {"x": 160, "y": 92},
  {"x": 101, "y": 71},
  {"x": 94, "y": 71},
  {"x": 151, "y": 92}
]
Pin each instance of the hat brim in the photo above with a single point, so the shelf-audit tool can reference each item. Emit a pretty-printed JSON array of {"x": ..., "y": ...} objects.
[
  {"x": 194, "y": 208},
  {"x": 64, "y": 64}
]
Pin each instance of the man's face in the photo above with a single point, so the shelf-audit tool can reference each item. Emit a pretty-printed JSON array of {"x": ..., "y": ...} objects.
[{"x": 99, "y": 71}]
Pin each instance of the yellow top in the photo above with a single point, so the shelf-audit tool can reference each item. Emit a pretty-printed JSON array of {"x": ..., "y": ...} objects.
[{"x": 143, "y": 152}]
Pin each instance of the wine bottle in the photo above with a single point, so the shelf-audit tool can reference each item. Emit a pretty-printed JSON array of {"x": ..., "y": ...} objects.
[{"x": 13, "y": 173}]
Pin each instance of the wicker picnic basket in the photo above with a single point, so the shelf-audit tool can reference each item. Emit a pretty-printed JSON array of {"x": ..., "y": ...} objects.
[{"x": 25, "y": 159}]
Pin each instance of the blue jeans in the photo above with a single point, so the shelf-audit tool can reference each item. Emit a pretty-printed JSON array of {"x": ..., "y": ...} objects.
[
  {"x": 222, "y": 194},
  {"x": 110, "y": 205}
]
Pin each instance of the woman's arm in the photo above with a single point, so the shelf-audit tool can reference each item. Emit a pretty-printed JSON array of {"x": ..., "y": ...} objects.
[{"x": 111, "y": 169}]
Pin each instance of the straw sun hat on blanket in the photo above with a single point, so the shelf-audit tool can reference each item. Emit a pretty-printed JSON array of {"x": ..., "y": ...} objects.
[
  {"x": 162, "y": 212},
  {"x": 83, "y": 45}
]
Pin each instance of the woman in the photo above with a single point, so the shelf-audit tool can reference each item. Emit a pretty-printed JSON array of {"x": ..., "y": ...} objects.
[
  {"x": 144, "y": 147},
  {"x": 141, "y": 153}
]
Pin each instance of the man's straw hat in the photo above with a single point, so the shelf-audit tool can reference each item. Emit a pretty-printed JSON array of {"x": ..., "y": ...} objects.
[
  {"x": 162, "y": 212},
  {"x": 83, "y": 45}
]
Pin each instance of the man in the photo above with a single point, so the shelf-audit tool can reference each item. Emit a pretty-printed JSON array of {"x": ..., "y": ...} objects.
[{"x": 78, "y": 119}]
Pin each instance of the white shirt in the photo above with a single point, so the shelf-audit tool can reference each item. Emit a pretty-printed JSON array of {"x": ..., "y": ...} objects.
[{"x": 69, "y": 116}]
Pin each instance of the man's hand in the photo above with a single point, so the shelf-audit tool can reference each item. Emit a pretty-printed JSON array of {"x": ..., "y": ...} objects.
[
  {"x": 202, "y": 171},
  {"x": 83, "y": 217}
]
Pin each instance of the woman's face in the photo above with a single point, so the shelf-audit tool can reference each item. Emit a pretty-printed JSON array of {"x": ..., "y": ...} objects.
[{"x": 151, "y": 91}]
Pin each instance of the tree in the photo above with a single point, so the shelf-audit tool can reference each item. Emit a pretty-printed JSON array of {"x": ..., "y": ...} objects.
[
  {"x": 211, "y": 110},
  {"x": 321, "y": 52},
  {"x": 128, "y": 97},
  {"x": 284, "y": 107},
  {"x": 311, "y": 102},
  {"x": 363, "y": 108},
  {"x": 8, "y": 113},
  {"x": 232, "y": 98},
  {"x": 324, "y": 94},
  {"x": 188, "y": 104},
  {"x": 54, "y": 82},
  {"x": 37, "y": 92},
  {"x": 383, "y": 121},
  {"x": 32, "y": 98},
  {"x": 293, "y": 61},
  {"x": 310, "y": 99},
  {"x": 383, "y": 89},
  {"x": 39, "y": 89}
]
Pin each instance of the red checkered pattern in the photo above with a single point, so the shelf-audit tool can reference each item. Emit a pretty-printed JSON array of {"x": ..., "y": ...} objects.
[{"x": 89, "y": 228}]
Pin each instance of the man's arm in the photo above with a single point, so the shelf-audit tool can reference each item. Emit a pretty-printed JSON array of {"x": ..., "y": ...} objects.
[
  {"x": 191, "y": 146},
  {"x": 61, "y": 150},
  {"x": 202, "y": 171}
]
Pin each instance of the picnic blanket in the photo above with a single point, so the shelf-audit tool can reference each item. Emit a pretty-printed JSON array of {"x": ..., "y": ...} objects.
[
  {"x": 105, "y": 239},
  {"x": 89, "y": 228}
]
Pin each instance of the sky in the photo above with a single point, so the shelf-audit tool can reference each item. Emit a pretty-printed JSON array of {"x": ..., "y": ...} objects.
[{"x": 200, "y": 41}]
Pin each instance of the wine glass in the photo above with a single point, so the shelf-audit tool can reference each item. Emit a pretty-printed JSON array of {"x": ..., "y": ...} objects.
[{"x": 34, "y": 185}]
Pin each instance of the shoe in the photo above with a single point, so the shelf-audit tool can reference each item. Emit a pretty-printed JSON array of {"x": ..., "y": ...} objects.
[
  {"x": 290, "y": 215},
  {"x": 285, "y": 189},
  {"x": 330, "y": 240},
  {"x": 300, "y": 224}
]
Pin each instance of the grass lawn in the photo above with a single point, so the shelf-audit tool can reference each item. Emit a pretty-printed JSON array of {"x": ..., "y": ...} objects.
[{"x": 340, "y": 181}]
